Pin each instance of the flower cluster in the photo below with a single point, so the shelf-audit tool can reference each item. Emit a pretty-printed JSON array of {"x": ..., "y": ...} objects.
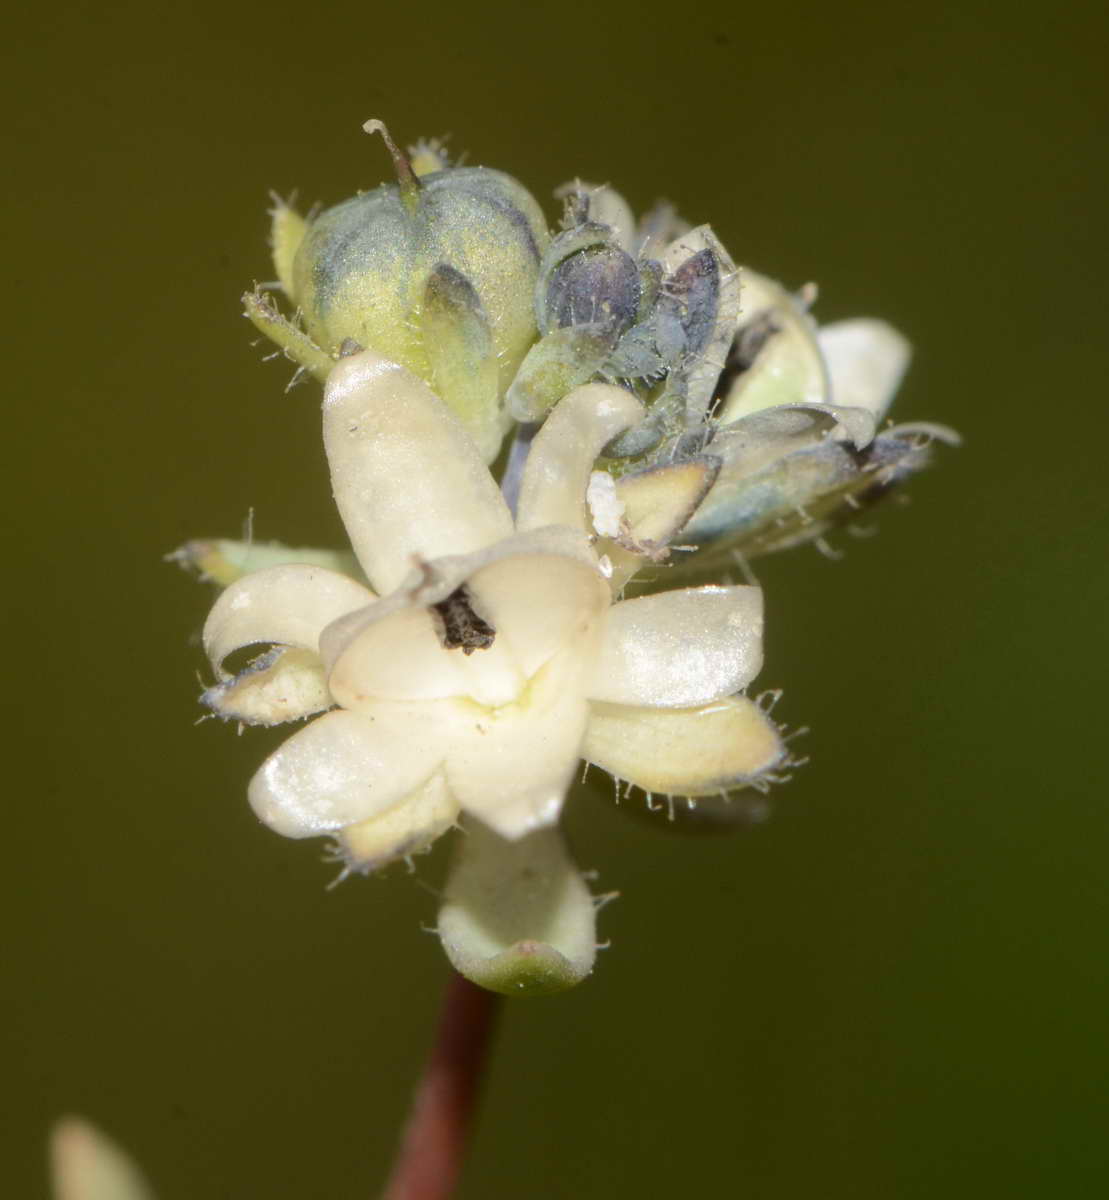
[{"x": 479, "y": 640}]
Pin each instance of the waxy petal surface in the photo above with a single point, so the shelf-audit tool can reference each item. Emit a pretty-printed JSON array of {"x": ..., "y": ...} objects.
[
  {"x": 409, "y": 827},
  {"x": 511, "y": 766},
  {"x": 684, "y": 751},
  {"x": 867, "y": 360},
  {"x": 552, "y": 491},
  {"x": 536, "y": 590},
  {"x": 287, "y": 606},
  {"x": 539, "y": 603},
  {"x": 681, "y": 648},
  {"x": 408, "y": 479},
  {"x": 402, "y": 657},
  {"x": 346, "y": 767}
]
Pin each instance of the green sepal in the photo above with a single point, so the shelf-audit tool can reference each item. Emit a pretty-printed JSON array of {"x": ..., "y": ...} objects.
[
  {"x": 462, "y": 357},
  {"x": 294, "y": 342},
  {"x": 223, "y": 560},
  {"x": 554, "y": 366}
]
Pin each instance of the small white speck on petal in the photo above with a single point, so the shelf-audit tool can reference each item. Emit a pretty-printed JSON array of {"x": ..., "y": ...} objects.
[{"x": 605, "y": 506}]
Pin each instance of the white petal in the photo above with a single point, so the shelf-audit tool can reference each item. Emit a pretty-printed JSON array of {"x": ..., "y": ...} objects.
[
  {"x": 679, "y": 649},
  {"x": 346, "y": 767},
  {"x": 552, "y": 491},
  {"x": 789, "y": 368},
  {"x": 284, "y": 684},
  {"x": 537, "y": 591},
  {"x": 85, "y": 1165},
  {"x": 511, "y": 766},
  {"x": 539, "y": 603},
  {"x": 287, "y": 605},
  {"x": 408, "y": 479},
  {"x": 402, "y": 657},
  {"x": 426, "y": 585},
  {"x": 517, "y": 916},
  {"x": 866, "y": 359},
  {"x": 407, "y": 828},
  {"x": 686, "y": 751}
]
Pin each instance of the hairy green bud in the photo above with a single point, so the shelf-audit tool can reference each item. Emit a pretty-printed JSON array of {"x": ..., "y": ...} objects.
[{"x": 436, "y": 272}]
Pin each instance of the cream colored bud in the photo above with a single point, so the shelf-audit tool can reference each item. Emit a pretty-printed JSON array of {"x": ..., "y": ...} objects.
[{"x": 517, "y": 916}]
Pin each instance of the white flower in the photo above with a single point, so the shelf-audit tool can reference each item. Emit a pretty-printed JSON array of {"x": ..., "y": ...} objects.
[{"x": 492, "y": 654}]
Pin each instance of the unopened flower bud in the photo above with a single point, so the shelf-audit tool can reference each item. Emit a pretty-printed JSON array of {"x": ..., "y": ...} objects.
[
  {"x": 393, "y": 269},
  {"x": 796, "y": 427},
  {"x": 517, "y": 917},
  {"x": 786, "y": 478}
]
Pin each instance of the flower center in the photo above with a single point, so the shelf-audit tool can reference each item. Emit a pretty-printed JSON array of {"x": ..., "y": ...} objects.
[{"x": 461, "y": 627}]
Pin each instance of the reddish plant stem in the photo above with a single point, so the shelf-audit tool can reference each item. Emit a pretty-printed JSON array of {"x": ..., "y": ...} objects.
[{"x": 433, "y": 1147}]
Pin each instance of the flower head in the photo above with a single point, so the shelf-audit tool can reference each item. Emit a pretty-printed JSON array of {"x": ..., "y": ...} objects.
[
  {"x": 492, "y": 653},
  {"x": 476, "y": 642}
]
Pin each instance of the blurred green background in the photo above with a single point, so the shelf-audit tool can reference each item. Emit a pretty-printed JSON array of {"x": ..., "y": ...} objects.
[{"x": 895, "y": 988}]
